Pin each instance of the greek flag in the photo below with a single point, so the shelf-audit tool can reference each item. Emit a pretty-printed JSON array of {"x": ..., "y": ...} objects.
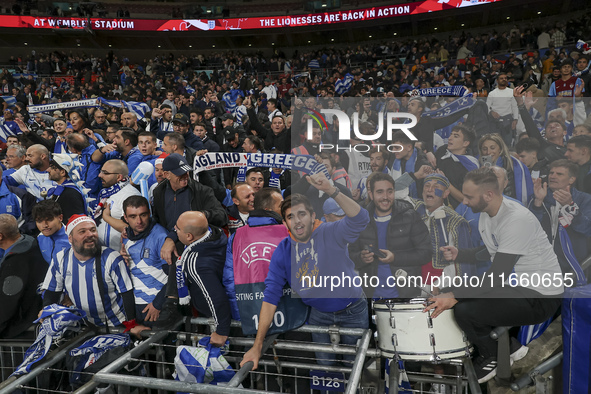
[
  {"x": 6, "y": 132},
  {"x": 57, "y": 320},
  {"x": 203, "y": 364},
  {"x": 93, "y": 349},
  {"x": 230, "y": 99},
  {"x": 344, "y": 85},
  {"x": 314, "y": 64},
  {"x": 136, "y": 108},
  {"x": 10, "y": 100}
]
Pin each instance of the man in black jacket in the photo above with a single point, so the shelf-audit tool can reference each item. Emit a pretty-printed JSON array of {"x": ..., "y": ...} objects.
[
  {"x": 397, "y": 233},
  {"x": 277, "y": 137},
  {"x": 203, "y": 262},
  {"x": 174, "y": 196},
  {"x": 22, "y": 270}
]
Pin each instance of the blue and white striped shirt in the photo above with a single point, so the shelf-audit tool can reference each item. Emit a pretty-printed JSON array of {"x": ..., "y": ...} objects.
[
  {"x": 78, "y": 280},
  {"x": 146, "y": 266}
]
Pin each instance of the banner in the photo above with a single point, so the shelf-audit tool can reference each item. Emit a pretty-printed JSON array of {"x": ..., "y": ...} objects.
[
  {"x": 324, "y": 18},
  {"x": 137, "y": 108},
  {"x": 65, "y": 105},
  {"x": 456, "y": 90},
  {"x": 303, "y": 163}
]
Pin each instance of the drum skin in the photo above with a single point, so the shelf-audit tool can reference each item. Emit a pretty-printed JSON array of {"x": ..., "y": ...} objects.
[{"x": 411, "y": 334}]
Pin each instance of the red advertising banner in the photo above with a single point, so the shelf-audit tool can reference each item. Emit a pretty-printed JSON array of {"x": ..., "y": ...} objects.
[{"x": 325, "y": 18}]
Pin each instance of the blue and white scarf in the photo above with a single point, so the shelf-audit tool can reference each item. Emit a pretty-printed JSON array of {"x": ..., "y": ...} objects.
[
  {"x": 274, "y": 180},
  {"x": 409, "y": 167},
  {"x": 454, "y": 107},
  {"x": 470, "y": 163},
  {"x": 57, "y": 320},
  {"x": 524, "y": 186},
  {"x": 104, "y": 195},
  {"x": 95, "y": 348},
  {"x": 456, "y": 90}
]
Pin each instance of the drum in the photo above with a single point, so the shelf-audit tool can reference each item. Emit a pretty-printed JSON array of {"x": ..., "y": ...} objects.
[{"x": 404, "y": 330}]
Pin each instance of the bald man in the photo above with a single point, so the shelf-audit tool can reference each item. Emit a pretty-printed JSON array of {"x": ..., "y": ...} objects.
[
  {"x": 33, "y": 175},
  {"x": 203, "y": 262}
]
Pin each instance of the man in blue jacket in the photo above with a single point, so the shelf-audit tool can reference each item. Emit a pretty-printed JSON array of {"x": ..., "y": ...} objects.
[
  {"x": 9, "y": 202},
  {"x": 315, "y": 251}
]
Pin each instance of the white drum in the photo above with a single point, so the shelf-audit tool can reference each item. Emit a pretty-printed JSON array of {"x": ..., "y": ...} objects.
[{"x": 404, "y": 330}]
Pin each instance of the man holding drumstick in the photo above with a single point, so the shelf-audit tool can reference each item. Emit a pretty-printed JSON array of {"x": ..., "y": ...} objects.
[{"x": 524, "y": 284}]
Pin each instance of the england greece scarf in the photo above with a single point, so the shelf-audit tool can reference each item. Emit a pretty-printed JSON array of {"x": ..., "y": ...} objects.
[
  {"x": 57, "y": 320},
  {"x": 469, "y": 162},
  {"x": 409, "y": 167}
]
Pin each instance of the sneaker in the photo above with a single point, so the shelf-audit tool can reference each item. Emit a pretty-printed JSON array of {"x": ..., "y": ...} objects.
[
  {"x": 170, "y": 317},
  {"x": 518, "y": 351},
  {"x": 485, "y": 368}
]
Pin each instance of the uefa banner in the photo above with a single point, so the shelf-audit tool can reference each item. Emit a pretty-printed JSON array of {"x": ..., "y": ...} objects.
[{"x": 324, "y": 18}]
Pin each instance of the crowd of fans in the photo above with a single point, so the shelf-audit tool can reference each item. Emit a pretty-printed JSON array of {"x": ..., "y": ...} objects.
[{"x": 540, "y": 152}]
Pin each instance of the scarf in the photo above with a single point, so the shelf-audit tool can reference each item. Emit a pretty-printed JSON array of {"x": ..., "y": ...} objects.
[
  {"x": 469, "y": 162},
  {"x": 132, "y": 236},
  {"x": 104, "y": 195},
  {"x": 409, "y": 166},
  {"x": 57, "y": 321},
  {"x": 181, "y": 279},
  {"x": 274, "y": 180},
  {"x": 524, "y": 186}
]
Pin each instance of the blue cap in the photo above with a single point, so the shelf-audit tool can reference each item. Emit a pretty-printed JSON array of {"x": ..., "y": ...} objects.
[{"x": 331, "y": 206}]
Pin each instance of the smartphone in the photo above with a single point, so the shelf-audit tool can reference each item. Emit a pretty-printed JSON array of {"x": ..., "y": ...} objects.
[
  {"x": 486, "y": 161},
  {"x": 377, "y": 252}
]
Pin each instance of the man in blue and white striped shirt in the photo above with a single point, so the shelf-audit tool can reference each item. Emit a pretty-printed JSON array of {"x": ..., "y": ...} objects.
[
  {"x": 73, "y": 272},
  {"x": 141, "y": 251}
]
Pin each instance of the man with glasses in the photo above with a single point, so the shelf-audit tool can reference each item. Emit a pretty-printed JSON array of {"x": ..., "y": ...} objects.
[
  {"x": 100, "y": 120},
  {"x": 109, "y": 210},
  {"x": 111, "y": 131}
]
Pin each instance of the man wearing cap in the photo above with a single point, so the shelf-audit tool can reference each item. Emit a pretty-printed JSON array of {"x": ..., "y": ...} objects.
[
  {"x": 179, "y": 193},
  {"x": 228, "y": 128},
  {"x": 395, "y": 238},
  {"x": 103, "y": 288},
  {"x": 109, "y": 209},
  {"x": 69, "y": 195},
  {"x": 332, "y": 211},
  {"x": 22, "y": 270},
  {"x": 34, "y": 175},
  {"x": 445, "y": 225},
  {"x": 180, "y": 124}
]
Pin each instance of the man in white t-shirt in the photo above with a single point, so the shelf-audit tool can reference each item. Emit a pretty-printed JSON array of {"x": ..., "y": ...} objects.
[
  {"x": 109, "y": 212},
  {"x": 34, "y": 175},
  {"x": 519, "y": 249},
  {"x": 503, "y": 109}
]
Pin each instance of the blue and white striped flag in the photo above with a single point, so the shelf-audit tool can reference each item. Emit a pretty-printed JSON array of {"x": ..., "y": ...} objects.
[
  {"x": 10, "y": 100},
  {"x": 5, "y": 132},
  {"x": 314, "y": 64},
  {"x": 344, "y": 85},
  {"x": 137, "y": 108},
  {"x": 230, "y": 99},
  {"x": 203, "y": 364}
]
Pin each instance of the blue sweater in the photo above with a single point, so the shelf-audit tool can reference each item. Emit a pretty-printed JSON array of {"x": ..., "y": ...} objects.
[
  {"x": 325, "y": 254},
  {"x": 53, "y": 244}
]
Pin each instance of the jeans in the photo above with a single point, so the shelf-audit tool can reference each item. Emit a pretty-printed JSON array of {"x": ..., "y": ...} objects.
[{"x": 354, "y": 316}]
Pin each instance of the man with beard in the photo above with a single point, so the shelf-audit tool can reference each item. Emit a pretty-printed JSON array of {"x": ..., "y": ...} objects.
[
  {"x": 503, "y": 109},
  {"x": 34, "y": 175},
  {"x": 102, "y": 289},
  {"x": 109, "y": 211},
  {"x": 519, "y": 249},
  {"x": 395, "y": 238},
  {"x": 141, "y": 251},
  {"x": 378, "y": 161},
  {"x": 124, "y": 147},
  {"x": 316, "y": 251}
]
